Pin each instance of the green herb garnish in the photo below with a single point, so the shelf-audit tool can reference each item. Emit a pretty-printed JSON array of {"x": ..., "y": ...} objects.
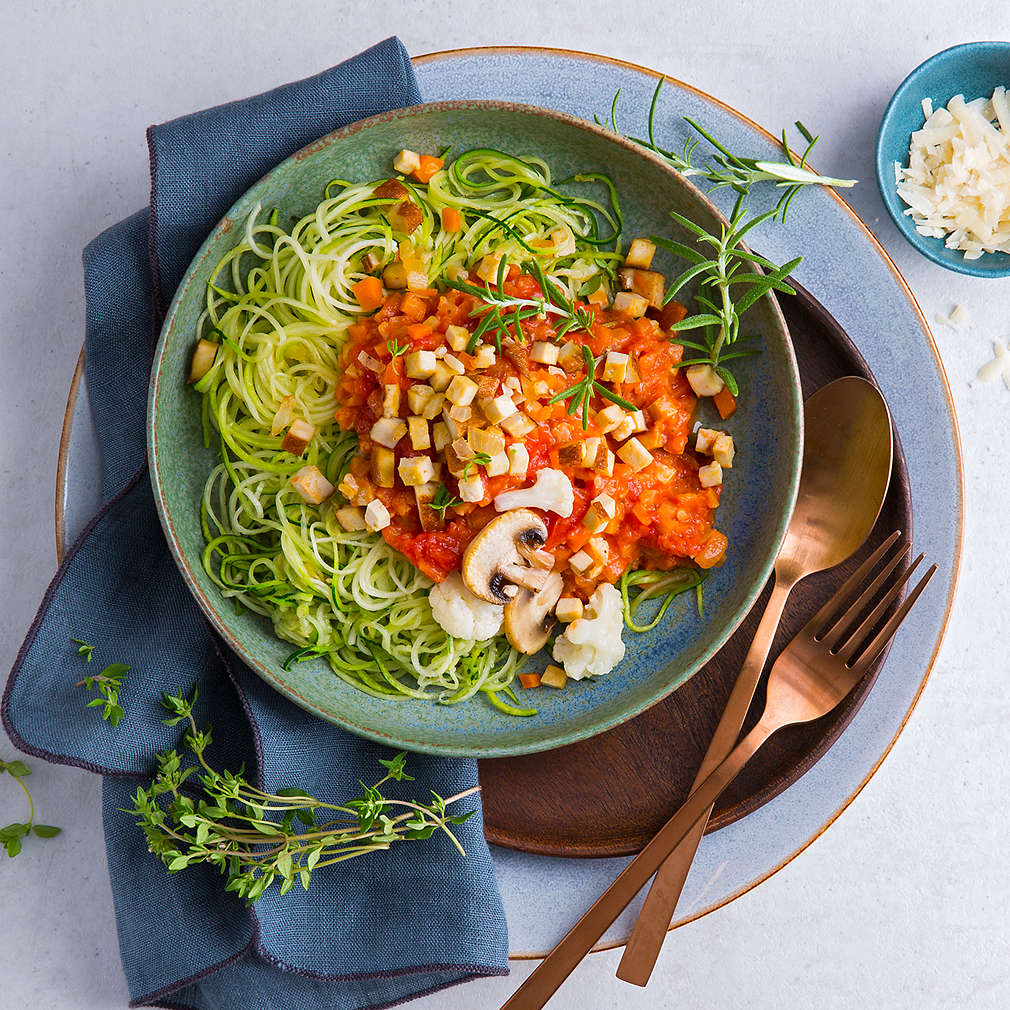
[
  {"x": 83, "y": 649},
  {"x": 580, "y": 395},
  {"x": 108, "y": 683},
  {"x": 394, "y": 348},
  {"x": 11, "y": 835},
  {"x": 479, "y": 459},
  {"x": 443, "y": 500},
  {"x": 255, "y": 838}
]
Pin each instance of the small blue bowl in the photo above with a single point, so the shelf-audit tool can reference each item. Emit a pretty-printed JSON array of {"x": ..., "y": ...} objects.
[{"x": 973, "y": 70}]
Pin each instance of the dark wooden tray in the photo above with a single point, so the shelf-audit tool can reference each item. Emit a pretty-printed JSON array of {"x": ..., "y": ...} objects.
[{"x": 609, "y": 795}]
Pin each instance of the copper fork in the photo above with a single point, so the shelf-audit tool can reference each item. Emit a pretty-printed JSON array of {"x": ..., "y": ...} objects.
[{"x": 818, "y": 668}]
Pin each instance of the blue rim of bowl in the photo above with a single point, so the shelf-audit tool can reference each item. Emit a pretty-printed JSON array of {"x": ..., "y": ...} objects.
[
  {"x": 264, "y": 671},
  {"x": 885, "y": 174}
]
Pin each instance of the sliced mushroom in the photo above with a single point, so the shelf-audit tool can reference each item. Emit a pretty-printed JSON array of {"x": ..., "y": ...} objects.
[
  {"x": 496, "y": 563},
  {"x": 529, "y": 617}
]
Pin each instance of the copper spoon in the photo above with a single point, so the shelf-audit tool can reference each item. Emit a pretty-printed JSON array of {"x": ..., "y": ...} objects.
[
  {"x": 816, "y": 671},
  {"x": 846, "y": 470}
]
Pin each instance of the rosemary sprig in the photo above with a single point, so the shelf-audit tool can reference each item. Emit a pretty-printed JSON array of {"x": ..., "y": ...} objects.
[
  {"x": 255, "y": 838},
  {"x": 11, "y": 835},
  {"x": 498, "y": 311},
  {"x": 725, "y": 169},
  {"x": 727, "y": 286},
  {"x": 581, "y": 394},
  {"x": 442, "y": 501},
  {"x": 108, "y": 683}
]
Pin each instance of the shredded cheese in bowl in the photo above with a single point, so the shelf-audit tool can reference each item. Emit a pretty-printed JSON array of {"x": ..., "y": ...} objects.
[{"x": 957, "y": 183}]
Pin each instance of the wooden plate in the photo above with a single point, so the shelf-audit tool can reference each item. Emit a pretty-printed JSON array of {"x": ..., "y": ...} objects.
[{"x": 607, "y": 796}]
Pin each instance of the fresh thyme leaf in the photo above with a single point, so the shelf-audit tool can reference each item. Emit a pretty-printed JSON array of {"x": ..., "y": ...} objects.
[
  {"x": 256, "y": 839},
  {"x": 12, "y": 834},
  {"x": 479, "y": 459},
  {"x": 395, "y": 349},
  {"x": 107, "y": 683},
  {"x": 443, "y": 500},
  {"x": 83, "y": 649}
]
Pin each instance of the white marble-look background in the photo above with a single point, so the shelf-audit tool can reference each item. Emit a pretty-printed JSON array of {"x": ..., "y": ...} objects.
[{"x": 903, "y": 902}]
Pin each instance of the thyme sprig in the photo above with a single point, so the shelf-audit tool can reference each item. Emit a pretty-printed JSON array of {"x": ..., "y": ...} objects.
[
  {"x": 581, "y": 394},
  {"x": 108, "y": 683},
  {"x": 394, "y": 348},
  {"x": 12, "y": 834},
  {"x": 442, "y": 501},
  {"x": 727, "y": 286},
  {"x": 479, "y": 459},
  {"x": 83, "y": 649},
  {"x": 193, "y": 815},
  {"x": 727, "y": 170},
  {"x": 498, "y": 311}
]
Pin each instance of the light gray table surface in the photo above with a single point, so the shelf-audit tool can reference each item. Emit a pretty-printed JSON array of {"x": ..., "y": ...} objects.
[{"x": 902, "y": 902}]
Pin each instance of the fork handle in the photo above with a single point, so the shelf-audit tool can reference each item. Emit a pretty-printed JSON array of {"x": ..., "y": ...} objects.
[
  {"x": 656, "y": 914},
  {"x": 534, "y": 993}
]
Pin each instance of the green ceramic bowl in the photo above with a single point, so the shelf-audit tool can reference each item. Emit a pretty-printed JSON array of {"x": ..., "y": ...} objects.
[{"x": 757, "y": 500}]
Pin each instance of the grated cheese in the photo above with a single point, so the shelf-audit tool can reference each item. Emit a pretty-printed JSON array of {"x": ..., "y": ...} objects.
[{"x": 957, "y": 183}]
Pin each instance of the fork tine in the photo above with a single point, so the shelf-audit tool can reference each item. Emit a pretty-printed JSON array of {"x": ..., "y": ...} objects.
[
  {"x": 856, "y": 638},
  {"x": 835, "y": 609},
  {"x": 887, "y": 632}
]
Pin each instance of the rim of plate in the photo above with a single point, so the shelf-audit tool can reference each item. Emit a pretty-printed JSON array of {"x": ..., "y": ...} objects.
[
  {"x": 60, "y": 526},
  {"x": 212, "y": 611}
]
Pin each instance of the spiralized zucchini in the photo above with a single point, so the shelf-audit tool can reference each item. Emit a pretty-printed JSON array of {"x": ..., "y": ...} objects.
[{"x": 279, "y": 304}]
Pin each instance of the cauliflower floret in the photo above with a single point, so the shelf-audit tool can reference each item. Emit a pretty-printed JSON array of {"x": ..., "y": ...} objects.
[
  {"x": 592, "y": 646},
  {"x": 461, "y": 614},
  {"x": 551, "y": 492}
]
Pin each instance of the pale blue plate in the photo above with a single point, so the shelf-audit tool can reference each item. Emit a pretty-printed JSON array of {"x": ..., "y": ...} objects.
[
  {"x": 544, "y": 895},
  {"x": 972, "y": 70}
]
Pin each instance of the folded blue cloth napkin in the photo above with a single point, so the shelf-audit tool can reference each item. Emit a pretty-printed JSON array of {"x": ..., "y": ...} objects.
[{"x": 370, "y": 932}]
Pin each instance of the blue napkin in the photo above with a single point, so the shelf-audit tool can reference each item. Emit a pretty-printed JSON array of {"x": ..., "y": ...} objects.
[{"x": 370, "y": 932}]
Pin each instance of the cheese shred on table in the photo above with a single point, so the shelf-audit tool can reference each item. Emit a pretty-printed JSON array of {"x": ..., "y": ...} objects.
[{"x": 957, "y": 183}]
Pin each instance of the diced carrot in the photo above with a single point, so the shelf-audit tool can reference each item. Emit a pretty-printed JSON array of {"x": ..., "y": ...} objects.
[
  {"x": 413, "y": 306},
  {"x": 358, "y": 331},
  {"x": 529, "y": 679},
  {"x": 369, "y": 293},
  {"x": 418, "y": 331},
  {"x": 712, "y": 550},
  {"x": 725, "y": 402},
  {"x": 428, "y": 167},
  {"x": 451, "y": 219}
]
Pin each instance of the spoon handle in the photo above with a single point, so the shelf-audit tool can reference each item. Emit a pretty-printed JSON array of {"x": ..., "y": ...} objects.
[{"x": 656, "y": 913}]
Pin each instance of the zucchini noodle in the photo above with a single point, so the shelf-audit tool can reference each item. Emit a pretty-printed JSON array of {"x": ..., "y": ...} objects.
[{"x": 278, "y": 305}]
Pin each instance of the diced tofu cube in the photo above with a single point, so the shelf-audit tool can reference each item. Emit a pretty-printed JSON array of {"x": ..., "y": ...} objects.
[
  {"x": 383, "y": 466},
  {"x": 417, "y": 279},
  {"x": 424, "y": 495},
  {"x": 723, "y": 451},
  {"x": 704, "y": 380},
  {"x": 601, "y": 510},
  {"x": 488, "y": 440},
  {"x": 518, "y": 424},
  {"x": 415, "y": 470},
  {"x": 599, "y": 297},
  {"x": 581, "y": 562},
  {"x": 394, "y": 277},
  {"x": 376, "y": 516},
  {"x": 487, "y": 269},
  {"x": 484, "y": 356},
  {"x": 407, "y": 161},
  {"x": 497, "y": 465},
  {"x": 350, "y": 518},
  {"x": 544, "y": 352},
  {"x": 388, "y": 431},
  {"x": 554, "y": 677},
  {"x": 405, "y": 217},
  {"x": 459, "y": 414},
  {"x": 441, "y": 377},
  {"x": 434, "y": 406},
  {"x": 569, "y": 609},
  {"x": 570, "y": 355},
  {"x": 519, "y": 459},
  {"x": 313, "y": 487},
  {"x": 639, "y": 420},
  {"x": 640, "y": 254},
  {"x": 390, "y": 401},
  {"x": 457, "y": 337},
  {"x": 564, "y": 242},
  {"x": 570, "y": 455},
  {"x": 634, "y": 305},
  {"x": 440, "y": 436},
  {"x": 615, "y": 366},
  {"x": 498, "y": 408},
  {"x": 634, "y": 454},
  {"x": 609, "y": 418},
  {"x": 605, "y": 462},
  {"x": 418, "y": 396},
  {"x": 420, "y": 364},
  {"x": 625, "y": 429},
  {"x": 203, "y": 357},
  {"x": 298, "y": 437},
  {"x": 471, "y": 489},
  {"x": 598, "y": 549},
  {"x": 710, "y": 475},
  {"x": 705, "y": 440},
  {"x": 590, "y": 447},
  {"x": 420, "y": 434},
  {"x": 461, "y": 390}
]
